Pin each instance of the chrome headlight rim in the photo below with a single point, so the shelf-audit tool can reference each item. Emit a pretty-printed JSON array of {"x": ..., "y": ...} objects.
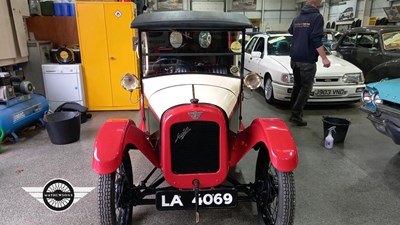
[
  {"x": 129, "y": 82},
  {"x": 252, "y": 80},
  {"x": 366, "y": 96},
  {"x": 376, "y": 99}
]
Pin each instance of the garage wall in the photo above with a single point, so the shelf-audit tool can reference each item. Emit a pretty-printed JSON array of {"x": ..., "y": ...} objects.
[
  {"x": 377, "y": 8},
  {"x": 375, "y": 11},
  {"x": 278, "y": 14}
]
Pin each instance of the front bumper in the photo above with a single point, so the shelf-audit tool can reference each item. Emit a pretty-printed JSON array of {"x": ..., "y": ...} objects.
[
  {"x": 349, "y": 93},
  {"x": 386, "y": 120}
]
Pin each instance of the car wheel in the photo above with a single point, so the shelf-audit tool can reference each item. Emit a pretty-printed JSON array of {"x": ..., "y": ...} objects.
[
  {"x": 367, "y": 64},
  {"x": 275, "y": 193},
  {"x": 114, "y": 207},
  {"x": 268, "y": 90}
]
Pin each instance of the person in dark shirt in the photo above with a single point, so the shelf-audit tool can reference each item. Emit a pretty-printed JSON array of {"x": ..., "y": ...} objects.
[{"x": 307, "y": 31}]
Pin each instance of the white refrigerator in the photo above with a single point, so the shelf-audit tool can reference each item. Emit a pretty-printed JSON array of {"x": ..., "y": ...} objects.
[{"x": 63, "y": 83}]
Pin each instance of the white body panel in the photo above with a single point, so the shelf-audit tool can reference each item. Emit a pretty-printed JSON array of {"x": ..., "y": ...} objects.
[
  {"x": 164, "y": 92},
  {"x": 63, "y": 83}
]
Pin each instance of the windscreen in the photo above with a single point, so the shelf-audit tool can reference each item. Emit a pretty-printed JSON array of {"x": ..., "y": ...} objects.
[
  {"x": 182, "y": 51},
  {"x": 280, "y": 45}
]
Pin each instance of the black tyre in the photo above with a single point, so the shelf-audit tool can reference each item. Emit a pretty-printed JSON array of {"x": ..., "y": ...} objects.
[
  {"x": 275, "y": 193},
  {"x": 114, "y": 207},
  {"x": 268, "y": 90}
]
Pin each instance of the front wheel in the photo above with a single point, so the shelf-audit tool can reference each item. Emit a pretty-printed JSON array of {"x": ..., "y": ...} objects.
[
  {"x": 268, "y": 90},
  {"x": 275, "y": 194},
  {"x": 113, "y": 192}
]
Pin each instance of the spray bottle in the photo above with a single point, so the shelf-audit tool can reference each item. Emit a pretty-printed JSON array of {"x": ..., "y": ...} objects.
[{"x": 329, "y": 138}]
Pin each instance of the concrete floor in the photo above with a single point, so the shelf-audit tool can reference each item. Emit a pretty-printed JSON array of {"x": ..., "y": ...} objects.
[{"x": 358, "y": 182}]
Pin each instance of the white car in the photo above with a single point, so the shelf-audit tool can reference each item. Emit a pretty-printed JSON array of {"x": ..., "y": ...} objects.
[
  {"x": 268, "y": 55},
  {"x": 347, "y": 14}
]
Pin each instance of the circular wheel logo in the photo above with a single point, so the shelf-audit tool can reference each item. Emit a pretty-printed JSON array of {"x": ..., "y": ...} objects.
[{"x": 58, "y": 195}]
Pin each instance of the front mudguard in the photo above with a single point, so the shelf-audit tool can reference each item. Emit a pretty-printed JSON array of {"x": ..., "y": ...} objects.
[
  {"x": 113, "y": 138},
  {"x": 275, "y": 135}
]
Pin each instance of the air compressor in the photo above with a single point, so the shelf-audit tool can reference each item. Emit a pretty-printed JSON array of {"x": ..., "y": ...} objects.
[{"x": 19, "y": 106}]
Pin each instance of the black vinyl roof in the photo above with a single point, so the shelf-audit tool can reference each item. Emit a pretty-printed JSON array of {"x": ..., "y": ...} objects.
[
  {"x": 190, "y": 20},
  {"x": 374, "y": 29}
]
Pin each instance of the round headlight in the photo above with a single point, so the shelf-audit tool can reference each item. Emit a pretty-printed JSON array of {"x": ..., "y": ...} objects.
[
  {"x": 129, "y": 82},
  {"x": 252, "y": 80},
  {"x": 366, "y": 96}
]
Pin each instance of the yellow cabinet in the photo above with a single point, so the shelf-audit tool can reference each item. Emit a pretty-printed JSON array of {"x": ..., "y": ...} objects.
[{"x": 107, "y": 53}]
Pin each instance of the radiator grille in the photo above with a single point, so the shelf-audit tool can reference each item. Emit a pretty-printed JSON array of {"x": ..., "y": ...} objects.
[{"x": 195, "y": 147}]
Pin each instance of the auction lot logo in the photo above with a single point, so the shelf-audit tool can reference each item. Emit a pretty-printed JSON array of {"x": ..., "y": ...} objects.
[{"x": 58, "y": 195}]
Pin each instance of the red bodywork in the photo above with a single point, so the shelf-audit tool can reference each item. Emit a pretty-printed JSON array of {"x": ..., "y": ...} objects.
[
  {"x": 180, "y": 114},
  {"x": 118, "y": 134}
]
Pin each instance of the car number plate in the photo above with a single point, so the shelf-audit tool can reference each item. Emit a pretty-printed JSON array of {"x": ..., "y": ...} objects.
[
  {"x": 172, "y": 200},
  {"x": 329, "y": 92}
]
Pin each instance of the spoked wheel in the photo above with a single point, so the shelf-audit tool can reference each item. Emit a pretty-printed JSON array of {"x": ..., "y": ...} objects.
[
  {"x": 268, "y": 90},
  {"x": 275, "y": 193},
  {"x": 114, "y": 207}
]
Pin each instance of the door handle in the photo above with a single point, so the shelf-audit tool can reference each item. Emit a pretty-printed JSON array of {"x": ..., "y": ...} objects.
[{"x": 112, "y": 58}]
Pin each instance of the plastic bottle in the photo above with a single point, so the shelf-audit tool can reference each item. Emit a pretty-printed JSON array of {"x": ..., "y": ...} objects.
[
  {"x": 71, "y": 8},
  {"x": 57, "y": 8},
  {"x": 64, "y": 8},
  {"x": 34, "y": 7},
  {"x": 329, "y": 138}
]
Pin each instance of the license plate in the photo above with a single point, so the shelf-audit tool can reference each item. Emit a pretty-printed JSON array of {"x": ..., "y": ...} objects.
[
  {"x": 329, "y": 92},
  {"x": 173, "y": 200}
]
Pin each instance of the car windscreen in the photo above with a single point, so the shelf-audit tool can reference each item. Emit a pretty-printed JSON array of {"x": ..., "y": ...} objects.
[
  {"x": 280, "y": 45},
  {"x": 190, "y": 51}
]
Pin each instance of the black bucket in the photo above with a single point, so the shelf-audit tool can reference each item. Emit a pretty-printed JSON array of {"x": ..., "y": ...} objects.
[
  {"x": 64, "y": 127},
  {"x": 341, "y": 127}
]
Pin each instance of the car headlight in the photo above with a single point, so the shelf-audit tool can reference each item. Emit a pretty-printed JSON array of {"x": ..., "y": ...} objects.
[
  {"x": 129, "y": 82},
  {"x": 287, "y": 78},
  {"x": 352, "y": 78},
  {"x": 252, "y": 80},
  {"x": 366, "y": 96},
  {"x": 371, "y": 96},
  {"x": 376, "y": 100}
]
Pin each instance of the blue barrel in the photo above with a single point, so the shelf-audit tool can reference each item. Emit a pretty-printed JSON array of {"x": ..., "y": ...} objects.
[{"x": 21, "y": 111}]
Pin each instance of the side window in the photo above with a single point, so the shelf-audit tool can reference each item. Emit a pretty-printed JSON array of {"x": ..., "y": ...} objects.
[
  {"x": 250, "y": 45},
  {"x": 365, "y": 40},
  {"x": 391, "y": 40},
  {"x": 349, "y": 40},
  {"x": 260, "y": 45}
]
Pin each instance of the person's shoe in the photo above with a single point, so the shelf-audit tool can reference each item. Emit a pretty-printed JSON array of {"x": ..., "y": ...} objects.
[{"x": 298, "y": 121}]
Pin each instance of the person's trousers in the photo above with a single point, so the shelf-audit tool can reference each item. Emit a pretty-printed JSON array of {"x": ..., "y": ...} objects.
[{"x": 303, "y": 74}]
